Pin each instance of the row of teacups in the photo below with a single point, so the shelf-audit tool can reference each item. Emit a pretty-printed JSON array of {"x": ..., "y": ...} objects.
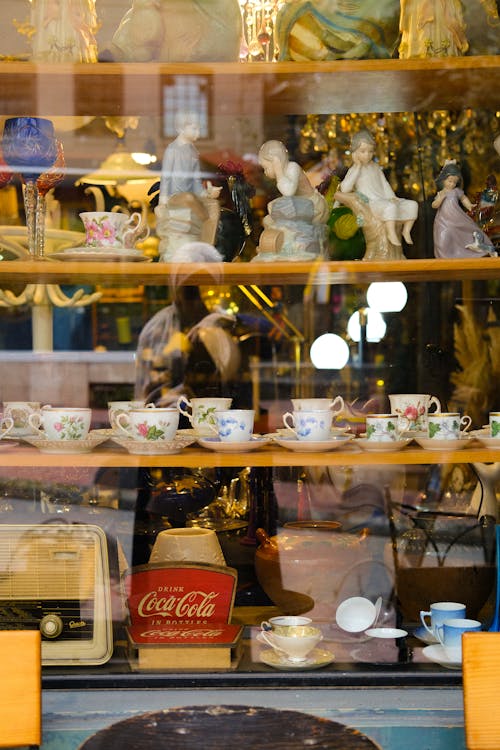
[
  {"x": 25, "y": 418},
  {"x": 447, "y": 623}
]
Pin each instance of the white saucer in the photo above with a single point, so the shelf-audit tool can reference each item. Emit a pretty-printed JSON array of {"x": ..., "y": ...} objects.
[
  {"x": 431, "y": 444},
  {"x": 45, "y": 445},
  {"x": 312, "y": 446},
  {"x": 215, "y": 444},
  {"x": 423, "y": 635},
  {"x": 437, "y": 654},
  {"x": 319, "y": 657},
  {"x": 381, "y": 446},
  {"x": 100, "y": 254},
  {"x": 153, "y": 447},
  {"x": 386, "y": 632},
  {"x": 488, "y": 441}
]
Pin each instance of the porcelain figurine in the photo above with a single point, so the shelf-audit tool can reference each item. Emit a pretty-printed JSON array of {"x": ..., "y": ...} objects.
[
  {"x": 336, "y": 29},
  {"x": 63, "y": 30},
  {"x": 179, "y": 31},
  {"x": 295, "y": 226},
  {"x": 367, "y": 178},
  {"x": 432, "y": 28},
  {"x": 186, "y": 210},
  {"x": 456, "y": 235}
]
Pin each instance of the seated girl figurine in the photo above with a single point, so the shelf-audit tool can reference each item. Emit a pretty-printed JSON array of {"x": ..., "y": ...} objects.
[
  {"x": 456, "y": 235},
  {"x": 367, "y": 179}
]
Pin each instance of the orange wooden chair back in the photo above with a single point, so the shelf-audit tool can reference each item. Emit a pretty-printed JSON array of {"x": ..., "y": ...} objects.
[
  {"x": 481, "y": 688},
  {"x": 20, "y": 688}
]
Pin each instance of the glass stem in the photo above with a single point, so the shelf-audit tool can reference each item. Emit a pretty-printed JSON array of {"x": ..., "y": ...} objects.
[
  {"x": 41, "y": 210},
  {"x": 30, "y": 191}
]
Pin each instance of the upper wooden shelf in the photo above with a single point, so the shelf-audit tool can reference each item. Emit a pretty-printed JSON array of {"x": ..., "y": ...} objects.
[
  {"x": 320, "y": 272},
  {"x": 341, "y": 86}
]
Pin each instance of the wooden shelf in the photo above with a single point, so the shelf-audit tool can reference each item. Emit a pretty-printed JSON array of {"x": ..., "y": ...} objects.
[
  {"x": 342, "y": 86},
  {"x": 194, "y": 457},
  {"x": 319, "y": 272}
]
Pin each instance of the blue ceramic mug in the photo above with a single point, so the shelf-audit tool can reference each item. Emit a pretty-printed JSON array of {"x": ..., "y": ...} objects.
[
  {"x": 438, "y": 613},
  {"x": 450, "y": 634}
]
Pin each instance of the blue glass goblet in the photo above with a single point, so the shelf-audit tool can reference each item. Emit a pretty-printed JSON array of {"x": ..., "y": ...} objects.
[{"x": 29, "y": 148}]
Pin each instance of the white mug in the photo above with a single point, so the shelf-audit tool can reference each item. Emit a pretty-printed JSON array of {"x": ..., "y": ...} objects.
[
  {"x": 62, "y": 423},
  {"x": 118, "y": 407},
  {"x": 233, "y": 425},
  {"x": 447, "y": 425},
  {"x": 494, "y": 422},
  {"x": 319, "y": 404},
  {"x": 202, "y": 412},
  {"x": 385, "y": 428},
  {"x": 19, "y": 411},
  {"x": 414, "y": 407},
  {"x": 149, "y": 424},
  {"x": 309, "y": 425}
]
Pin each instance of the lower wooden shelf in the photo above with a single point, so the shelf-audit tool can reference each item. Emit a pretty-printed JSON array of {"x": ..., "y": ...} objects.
[{"x": 268, "y": 456}]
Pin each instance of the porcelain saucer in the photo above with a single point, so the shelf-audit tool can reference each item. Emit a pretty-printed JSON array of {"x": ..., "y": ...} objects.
[
  {"x": 153, "y": 447},
  {"x": 61, "y": 447},
  {"x": 106, "y": 254},
  {"x": 437, "y": 654},
  {"x": 423, "y": 635},
  {"x": 487, "y": 441},
  {"x": 215, "y": 444},
  {"x": 312, "y": 446},
  {"x": 319, "y": 657},
  {"x": 381, "y": 446},
  {"x": 334, "y": 432},
  {"x": 431, "y": 444},
  {"x": 386, "y": 632}
]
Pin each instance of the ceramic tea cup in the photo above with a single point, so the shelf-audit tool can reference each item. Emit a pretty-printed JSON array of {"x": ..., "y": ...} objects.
[
  {"x": 19, "y": 411},
  {"x": 319, "y": 404},
  {"x": 6, "y": 426},
  {"x": 112, "y": 229},
  {"x": 309, "y": 425},
  {"x": 282, "y": 624},
  {"x": 385, "y": 428},
  {"x": 295, "y": 646},
  {"x": 62, "y": 423},
  {"x": 357, "y": 614},
  {"x": 449, "y": 634},
  {"x": 447, "y": 425},
  {"x": 149, "y": 424},
  {"x": 494, "y": 422},
  {"x": 414, "y": 407},
  {"x": 233, "y": 425},
  {"x": 438, "y": 613},
  {"x": 200, "y": 412},
  {"x": 120, "y": 407},
  {"x": 192, "y": 544}
]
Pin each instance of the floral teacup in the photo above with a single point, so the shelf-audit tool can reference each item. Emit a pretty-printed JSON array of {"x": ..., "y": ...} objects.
[{"x": 62, "y": 423}]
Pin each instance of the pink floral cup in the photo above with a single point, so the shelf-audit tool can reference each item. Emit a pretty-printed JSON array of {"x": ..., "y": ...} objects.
[
  {"x": 149, "y": 424},
  {"x": 64, "y": 423},
  {"x": 112, "y": 229},
  {"x": 413, "y": 407}
]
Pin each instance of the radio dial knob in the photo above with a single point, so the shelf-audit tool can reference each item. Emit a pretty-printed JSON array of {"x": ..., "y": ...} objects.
[{"x": 51, "y": 626}]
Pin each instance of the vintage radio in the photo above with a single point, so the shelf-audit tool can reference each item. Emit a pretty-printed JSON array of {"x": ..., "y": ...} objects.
[{"x": 56, "y": 577}]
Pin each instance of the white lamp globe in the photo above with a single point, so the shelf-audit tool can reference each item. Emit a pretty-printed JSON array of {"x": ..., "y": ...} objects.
[
  {"x": 375, "y": 326},
  {"x": 329, "y": 352},
  {"x": 387, "y": 296}
]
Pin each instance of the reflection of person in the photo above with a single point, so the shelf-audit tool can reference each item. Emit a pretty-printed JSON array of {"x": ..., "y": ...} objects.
[
  {"x": 456, "y": 235},
  {"x": 367, "y": 178},
  {"x": 184, "y": 349}
]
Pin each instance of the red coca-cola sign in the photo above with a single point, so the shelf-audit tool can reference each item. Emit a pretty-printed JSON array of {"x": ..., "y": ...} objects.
[{"x": 160, "y": 595}]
